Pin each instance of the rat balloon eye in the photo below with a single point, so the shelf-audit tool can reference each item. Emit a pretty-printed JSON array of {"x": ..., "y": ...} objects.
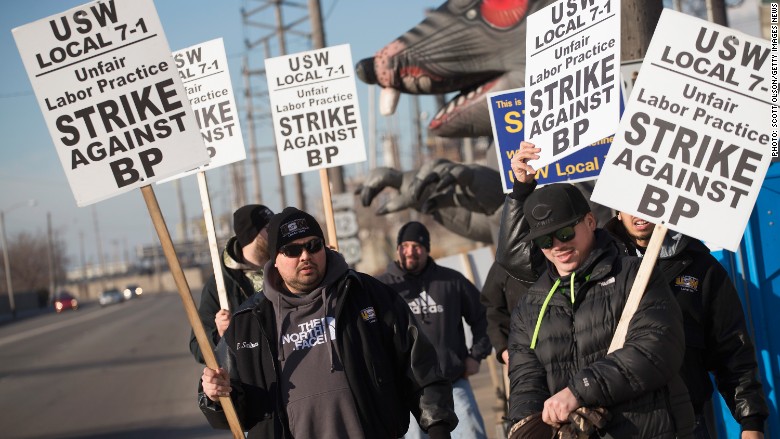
[{"x": 503, "y": 14}]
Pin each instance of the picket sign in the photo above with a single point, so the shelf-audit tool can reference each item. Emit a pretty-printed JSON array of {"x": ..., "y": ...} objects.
[
  {"x": 189, "y": 305},
  {"x": 316, "y": 116},
  {"x": 203, "y": 67},
  {"x": 133, "y": 125},
  {"x": 638, "y": 289}
]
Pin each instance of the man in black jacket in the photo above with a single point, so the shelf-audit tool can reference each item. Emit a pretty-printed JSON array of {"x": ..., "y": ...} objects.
[
  {"x": 716, "y": 335},
  {"x": 562, "y": 327},
  {"x": 242, "y": 270},
  {"x": 325, "y": 351},
  {"x": 440, "y": 299},
  {"x": 500, "y": 293}
]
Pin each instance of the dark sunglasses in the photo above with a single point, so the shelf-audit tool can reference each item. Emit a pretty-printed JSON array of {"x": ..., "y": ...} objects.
[
  {"x": 295, "y": 250},
  {"x": 564, "y": 234}
]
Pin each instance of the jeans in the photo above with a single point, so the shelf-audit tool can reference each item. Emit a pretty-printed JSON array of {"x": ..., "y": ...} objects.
[{"x": 470, "y": 423}]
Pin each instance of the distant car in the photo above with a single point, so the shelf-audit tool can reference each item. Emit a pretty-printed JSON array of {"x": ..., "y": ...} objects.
[
  {"x": 132, "y": 291},
  {"x": 64, "y": 300},
  {"x": 111, "y": 296}
]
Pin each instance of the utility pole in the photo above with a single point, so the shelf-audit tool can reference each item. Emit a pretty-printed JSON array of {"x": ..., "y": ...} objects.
[
  {"x": 85, "y": 289},
  {"x": 182, "y": 232},
  {"x": 371, "y": 127},
  {"x": 641, "y": 17},
  {"x": 50, "y": 255},
  {"x": 250, "y": 119},
  {"x": 99, "y": 244},
  {"x": 716, "y": 12},
  {"x": 335, "y": 174},
  {"x": 282, "y": 187},
  {"x": 418, "y": 132},
  {"x": 257, "y": 17}
]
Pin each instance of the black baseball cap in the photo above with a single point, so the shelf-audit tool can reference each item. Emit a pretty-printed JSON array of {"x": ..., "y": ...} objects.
[{"x": 552, "y": 207}]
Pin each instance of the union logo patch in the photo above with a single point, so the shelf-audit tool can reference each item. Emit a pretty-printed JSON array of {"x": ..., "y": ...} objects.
[
  {"x": 687, "y": 282},
  {"x": 368, "y": 314}
]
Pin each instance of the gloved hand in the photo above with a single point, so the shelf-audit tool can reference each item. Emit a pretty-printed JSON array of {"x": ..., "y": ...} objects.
[
  {"x": 583, "y": 422},
  {"x": 531, "y": 427},
  {"x": 587, "y": 420}
]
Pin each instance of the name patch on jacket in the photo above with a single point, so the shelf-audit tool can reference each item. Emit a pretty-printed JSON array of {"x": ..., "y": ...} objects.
[
  {"x": 311, "y": 333},
  {"x": 609, "y": 281},
  {"x": 687, "y": 283},
  {"x": 247, "y": 345},
  {"x": 368, "y": 314}
]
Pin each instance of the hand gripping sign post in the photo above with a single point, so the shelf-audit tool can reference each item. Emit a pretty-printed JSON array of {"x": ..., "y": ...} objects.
[
  {"x": 316, "y": 115},
  {"x": 694, "y": 144},
  {"x": 572, "y": 76},
  {"x": 204, "y": 72},
  {"x": 105, "y": 80}
]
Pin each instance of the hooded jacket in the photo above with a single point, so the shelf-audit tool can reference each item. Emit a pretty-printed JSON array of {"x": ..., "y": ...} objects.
[
  {"x": 441, "y": 298},
  {"x": 238, "y": 286},
  {"x": 716, "y": 335},
  {"x": 561, "y": 331},
  {"x": 390, "y": 366},
  {"x": 315, "y": 390}
]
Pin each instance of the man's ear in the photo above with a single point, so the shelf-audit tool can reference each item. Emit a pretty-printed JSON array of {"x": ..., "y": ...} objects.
[{"x": 590, "y": 220}]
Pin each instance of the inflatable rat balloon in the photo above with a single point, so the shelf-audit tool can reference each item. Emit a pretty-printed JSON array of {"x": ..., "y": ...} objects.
[{"x": 473, "y": 47}]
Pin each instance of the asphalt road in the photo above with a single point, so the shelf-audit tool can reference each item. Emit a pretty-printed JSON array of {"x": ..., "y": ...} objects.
[{"x": 120, "y": 372}]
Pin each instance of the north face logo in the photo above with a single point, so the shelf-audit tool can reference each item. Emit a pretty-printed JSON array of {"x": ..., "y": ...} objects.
[{"x": 425, "y": 305}]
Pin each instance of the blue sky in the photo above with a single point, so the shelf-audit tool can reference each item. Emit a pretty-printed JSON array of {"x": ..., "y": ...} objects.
[{"x": 30, "y": 169}]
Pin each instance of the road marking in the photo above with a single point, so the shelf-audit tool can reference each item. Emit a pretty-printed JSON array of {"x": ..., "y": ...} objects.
[{"x": 56, "y": 325}]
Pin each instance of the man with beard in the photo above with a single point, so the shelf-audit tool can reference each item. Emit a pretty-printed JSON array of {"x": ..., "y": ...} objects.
[
  {"x": 716, "y": 335},
  {"x": 440, "y": 299},
  {"x": 324, "y": 351},
  {"x": 242, "y": 269}
]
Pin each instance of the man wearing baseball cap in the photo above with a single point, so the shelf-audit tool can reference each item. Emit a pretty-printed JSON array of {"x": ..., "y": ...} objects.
[
  {"x": 440, "y": 299},
  {"x": 325, "y": 351},
  {"x": 562, "y": 327},
  {"x": 242, "y": 269}
]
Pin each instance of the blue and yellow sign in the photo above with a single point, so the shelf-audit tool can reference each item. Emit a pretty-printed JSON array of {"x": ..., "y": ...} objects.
[{"x": 506, "y": 115}]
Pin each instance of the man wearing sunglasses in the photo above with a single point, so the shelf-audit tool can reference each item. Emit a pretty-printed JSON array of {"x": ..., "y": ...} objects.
[
  {"x": 561, "y": 329},
  {"x": 325, "y": 351},
  {"x": 242, "y": 270},
  {"x": 717, "y": 340},
  {"x": 440, "y": 299}
]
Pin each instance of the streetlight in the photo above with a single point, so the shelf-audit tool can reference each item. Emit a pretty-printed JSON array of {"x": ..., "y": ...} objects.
[{"x": 8, "y": 282}]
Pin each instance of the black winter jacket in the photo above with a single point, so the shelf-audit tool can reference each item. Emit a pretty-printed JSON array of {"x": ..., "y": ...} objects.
[
  {"x": 570, "y": 350},
  {"x": 716, "y": 335},
  {"x": 238, "y": 289},
  {"x": 500, "y": 293},
  {"x": 449, "y": 299},
  {"x": 388, "y": 362}
]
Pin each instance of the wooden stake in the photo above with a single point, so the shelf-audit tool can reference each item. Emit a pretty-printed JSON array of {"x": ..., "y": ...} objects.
[
  {"x": 208, "y": 217},
  {"x": 189, "y": 304},
  {"x": 638, "y": 288},
  {"x": 327, "y": 204}
]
